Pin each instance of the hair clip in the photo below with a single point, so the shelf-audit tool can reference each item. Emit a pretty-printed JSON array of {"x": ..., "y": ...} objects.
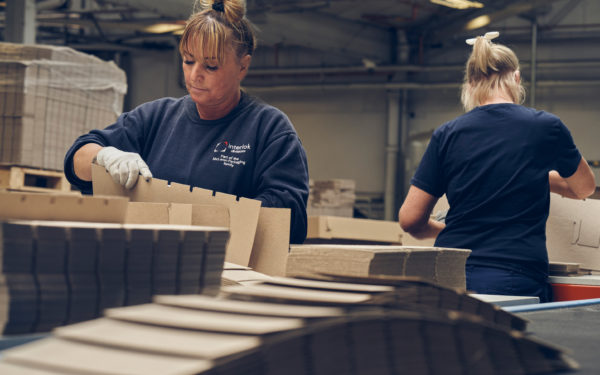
[
  {"x": 489, "y": 36},
  {"x": 218, "y": 6}
]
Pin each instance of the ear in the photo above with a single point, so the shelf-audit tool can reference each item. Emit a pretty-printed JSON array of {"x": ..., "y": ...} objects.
[
  {"x": 517, "y": 76},
  {"x": 244, "y": 65}
]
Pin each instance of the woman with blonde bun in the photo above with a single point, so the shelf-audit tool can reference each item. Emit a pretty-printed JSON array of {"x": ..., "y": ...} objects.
[
  {"x": 217, "y": 137},
  {"x": 497, "y": 165}
]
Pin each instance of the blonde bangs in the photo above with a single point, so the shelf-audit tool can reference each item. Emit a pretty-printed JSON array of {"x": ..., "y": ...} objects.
[{"x": 205, "y": 39}]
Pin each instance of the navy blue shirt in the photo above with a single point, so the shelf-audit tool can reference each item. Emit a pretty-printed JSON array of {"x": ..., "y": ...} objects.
[
  {"x": 252, "y": 152},
  {"x": 492, "y": 163}
]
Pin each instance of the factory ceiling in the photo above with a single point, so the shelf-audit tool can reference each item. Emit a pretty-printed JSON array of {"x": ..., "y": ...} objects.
[{"x": 357, "y": 31}]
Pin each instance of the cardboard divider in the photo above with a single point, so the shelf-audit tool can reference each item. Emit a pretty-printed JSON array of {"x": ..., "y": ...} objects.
[
  {"x": 64, "y": 207},
  {"x": 272, "y": 241},
  {"x": 243, "y": 212}
]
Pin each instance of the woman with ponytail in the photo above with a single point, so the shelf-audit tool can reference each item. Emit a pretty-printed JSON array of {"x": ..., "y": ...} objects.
[
  {"x": 217, "y": 137},
  {"x": 497, "y": 165}
]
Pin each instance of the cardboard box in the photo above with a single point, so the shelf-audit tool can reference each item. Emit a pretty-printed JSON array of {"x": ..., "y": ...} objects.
[
  {"x": 259, "y": 235},
  {"x": 573, "y": 232},
  {"x": 333, "y": 197},
  {"x": 334, "y": 229}
]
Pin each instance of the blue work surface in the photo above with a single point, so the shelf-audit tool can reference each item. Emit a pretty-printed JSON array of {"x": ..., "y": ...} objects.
[{"x": 575, "y": 327}]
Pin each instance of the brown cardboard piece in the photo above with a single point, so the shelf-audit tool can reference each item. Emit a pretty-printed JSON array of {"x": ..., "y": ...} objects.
[
  {"x": 72, "y": 357},
  {"x": 243, "y": 212},
  {"x": 183, "y": 318},
  {"x": 271, "y": 242},
  {"x": 65, "y": 207},
  {"x": 573, "y": 231},
  {"x": 154, "y": 339},
  {"x": 206, "y": 215},
  {"x": 343, "y": 229}
]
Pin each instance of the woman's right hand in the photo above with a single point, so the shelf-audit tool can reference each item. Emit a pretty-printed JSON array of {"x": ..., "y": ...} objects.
[{"x": 124, "y": 167}]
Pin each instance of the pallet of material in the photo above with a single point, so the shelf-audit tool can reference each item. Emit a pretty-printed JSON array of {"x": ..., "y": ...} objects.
[
  {"x": 253, "y": 333},
  {"x": 18, "y": 178},
  {"x": 49, "y": 95}
]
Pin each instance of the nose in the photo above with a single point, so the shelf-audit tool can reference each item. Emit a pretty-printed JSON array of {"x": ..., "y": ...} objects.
[{"x": 196, "y": 71}]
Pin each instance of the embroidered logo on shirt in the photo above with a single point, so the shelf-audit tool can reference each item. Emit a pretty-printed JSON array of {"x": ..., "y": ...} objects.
[
  {"x": 221, "y": 146},
  {"x": 230, "y": 155}
]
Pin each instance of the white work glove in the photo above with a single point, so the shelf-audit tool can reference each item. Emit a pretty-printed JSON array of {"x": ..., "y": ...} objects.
[{"x": 124, "y": 167}]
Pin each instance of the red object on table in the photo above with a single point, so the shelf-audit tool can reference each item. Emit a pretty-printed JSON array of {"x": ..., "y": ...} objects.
[{"x": 572, "y": 292}]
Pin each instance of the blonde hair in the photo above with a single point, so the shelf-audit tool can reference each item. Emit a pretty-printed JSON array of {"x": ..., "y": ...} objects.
[
  {"x": 216, "y": 25},
  {"x": 491, "y": 69}
]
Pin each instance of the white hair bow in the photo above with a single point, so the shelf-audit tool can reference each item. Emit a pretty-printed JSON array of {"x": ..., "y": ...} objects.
[{"x": 489, "y": 36}]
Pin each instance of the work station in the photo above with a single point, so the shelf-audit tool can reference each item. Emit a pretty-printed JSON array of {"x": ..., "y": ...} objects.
[{"x": 299, "y": 187}]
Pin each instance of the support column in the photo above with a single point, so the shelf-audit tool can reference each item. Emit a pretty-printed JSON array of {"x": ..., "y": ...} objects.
[
  {"x": 534, "y": 30},
  {"x": 20, "y": 21},
  {"x": 391, "y": 165}
]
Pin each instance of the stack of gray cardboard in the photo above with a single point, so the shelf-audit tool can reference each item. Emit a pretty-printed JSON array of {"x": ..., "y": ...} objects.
[
  {"x": 54, "y": 272},
  {"x": 334, "y": 197},
  {"x": 49, "y": 96},
  {"x": 18, "y": 292},
  {"x": 444, "y": 266},
  {"x": 291, "y": 331}
]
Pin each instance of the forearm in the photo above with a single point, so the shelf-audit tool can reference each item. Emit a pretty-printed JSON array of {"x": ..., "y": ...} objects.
[
  {"x": 429, "y": 229},
  {"x": 560, "y": 186},
  {"x": 82, "y": 160}
]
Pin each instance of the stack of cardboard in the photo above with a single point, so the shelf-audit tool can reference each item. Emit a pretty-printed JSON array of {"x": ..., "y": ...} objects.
[
  {"x": 444, "y": 266},
  {"x": 286, "y": 326},
  {"x": 334, "y": 197},
  {"x": 49, "y": 96},
  {"x": 54, "y": 272}
]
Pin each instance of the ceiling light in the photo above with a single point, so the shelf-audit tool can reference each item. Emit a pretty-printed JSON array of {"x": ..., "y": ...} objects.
[
  {"x": 478, "y": 22},
  {"x": 163, "y": 28},
  {"x": 458, "y": 4}
]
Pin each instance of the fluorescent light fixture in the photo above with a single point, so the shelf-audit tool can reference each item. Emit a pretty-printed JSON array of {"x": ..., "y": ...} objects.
[
  {"x": 163, "y": 28},
  {"x": 478, "y": 22},
  {"x": 458, "y": 4}
]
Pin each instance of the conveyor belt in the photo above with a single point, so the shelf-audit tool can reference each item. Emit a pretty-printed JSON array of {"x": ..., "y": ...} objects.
[{"x": 575, "y": 328}]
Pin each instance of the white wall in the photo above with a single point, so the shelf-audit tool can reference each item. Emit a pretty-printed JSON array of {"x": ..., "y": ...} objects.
[
  {"x": 152, "y": 75},
  {"x": 343, "y": 132}
]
